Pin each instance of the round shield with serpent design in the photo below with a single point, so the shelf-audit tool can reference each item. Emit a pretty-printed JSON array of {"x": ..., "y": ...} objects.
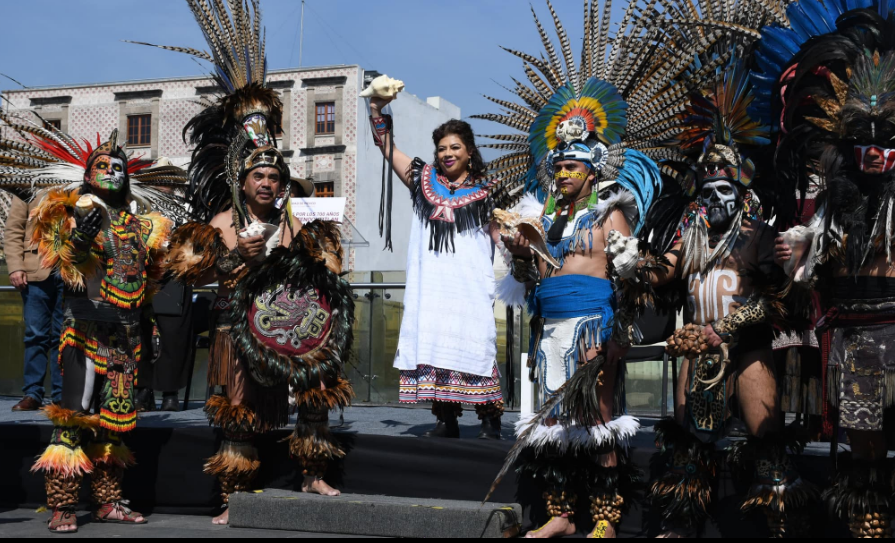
[
  {"x": 292, "y": 315},
  {"x": 291, "y": 321}
]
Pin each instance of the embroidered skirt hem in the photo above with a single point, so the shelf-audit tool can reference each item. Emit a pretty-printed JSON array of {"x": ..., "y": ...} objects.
[{"x": 430, "y": 384}]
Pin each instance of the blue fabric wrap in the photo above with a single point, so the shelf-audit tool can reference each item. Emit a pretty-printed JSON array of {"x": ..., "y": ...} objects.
[{"x": 575, "y": 296}]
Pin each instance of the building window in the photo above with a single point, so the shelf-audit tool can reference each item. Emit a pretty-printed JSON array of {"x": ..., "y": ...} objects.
[
  {"x": 325, "y": 190},
  {"x": 326, "y": 118},
  {"x": 139, "y": 130},
  {"x": 57, "y": 124}
]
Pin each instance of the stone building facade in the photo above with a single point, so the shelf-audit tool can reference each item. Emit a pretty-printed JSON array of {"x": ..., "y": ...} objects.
[{"x": 337, "y": 154}]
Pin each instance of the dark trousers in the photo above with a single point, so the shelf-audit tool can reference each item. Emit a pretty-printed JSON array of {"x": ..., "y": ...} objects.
[
  {"x": 171, "y": 370},
  {"x": 43, "y": 327}
]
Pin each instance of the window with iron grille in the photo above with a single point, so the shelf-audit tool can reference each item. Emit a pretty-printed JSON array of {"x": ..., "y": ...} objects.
[
  {"x": 326, "y": 118},
  {"x": 325, "y": 190},
  {"x": 57, "y": 124},
  {"x": 139, "y": 130}
]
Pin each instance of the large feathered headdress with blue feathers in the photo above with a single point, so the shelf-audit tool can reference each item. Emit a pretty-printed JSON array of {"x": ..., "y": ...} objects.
[
  {"x": 830, "y": 87},
  {"x": 622, "y": 101},
  {"x": 245, "y": 117}
]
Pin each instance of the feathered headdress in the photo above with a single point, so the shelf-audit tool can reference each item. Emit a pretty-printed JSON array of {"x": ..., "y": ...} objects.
[
  {"x": 715, "y": 132},
  {"x": 719, "y": 130},
  {"x": 622, "y": 100},
  {"x": 836, "y": 100},
  {"x": 45, "y": 157},
  {"x": 719, "y": 136},
  {"x": 245, "y": 118}
]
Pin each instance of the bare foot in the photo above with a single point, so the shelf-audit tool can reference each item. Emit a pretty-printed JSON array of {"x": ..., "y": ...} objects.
[
  {"x": 556, "y": 527},
  {"x": 223, "y": 519},
  {"x": 603, "y": 530},
  {"x": 313, "y": 485}
]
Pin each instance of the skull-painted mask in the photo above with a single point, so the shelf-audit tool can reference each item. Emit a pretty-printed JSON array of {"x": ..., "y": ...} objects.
[
  {"x": 256, "y": 128},
  {"x": 721, "y": 200},
  {"x": 108, "y": 173}
]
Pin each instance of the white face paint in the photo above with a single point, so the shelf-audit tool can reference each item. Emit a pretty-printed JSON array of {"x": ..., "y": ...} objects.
[
  {"x": 108, "y": 173},
  {"x": 721, "y": 199}
]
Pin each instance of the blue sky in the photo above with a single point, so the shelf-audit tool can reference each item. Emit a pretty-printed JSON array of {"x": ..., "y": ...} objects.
[{"x": 439, "y": 48}]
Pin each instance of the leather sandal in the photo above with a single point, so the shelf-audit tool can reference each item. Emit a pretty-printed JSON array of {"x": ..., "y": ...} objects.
[
  {"x": 130, "y": 516},
  {"x": 63, "y": 516}
]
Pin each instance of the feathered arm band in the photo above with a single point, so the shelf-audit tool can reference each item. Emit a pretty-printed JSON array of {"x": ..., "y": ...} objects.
[
  {"x": 196, "y": 250},
  {"x": 59, "y": 246}
]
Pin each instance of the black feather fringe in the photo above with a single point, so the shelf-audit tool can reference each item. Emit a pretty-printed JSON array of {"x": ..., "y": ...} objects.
[
  {"x": 441, "y": 233},
  {"x": 775, "y": 482},
  {"x": 860, "y": 488},
  {"x": 688, "y": 468}
]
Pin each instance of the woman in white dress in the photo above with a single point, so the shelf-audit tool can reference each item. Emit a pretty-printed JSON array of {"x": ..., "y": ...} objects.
[{"x": 447, "y": 351}]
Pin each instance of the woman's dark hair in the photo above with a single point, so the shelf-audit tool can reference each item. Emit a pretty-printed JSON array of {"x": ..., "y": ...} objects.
[{"x": 462, "y": 130}]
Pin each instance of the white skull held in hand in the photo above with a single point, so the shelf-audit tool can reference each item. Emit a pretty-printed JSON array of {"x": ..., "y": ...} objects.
[{"x": 624, "y": 251}]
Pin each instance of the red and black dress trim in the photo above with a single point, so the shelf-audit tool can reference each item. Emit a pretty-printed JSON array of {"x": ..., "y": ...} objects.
[{"x": 446, "y": 211}]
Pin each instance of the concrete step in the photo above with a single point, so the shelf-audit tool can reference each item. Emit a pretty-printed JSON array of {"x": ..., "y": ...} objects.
[{"x": 384, "y": 516}]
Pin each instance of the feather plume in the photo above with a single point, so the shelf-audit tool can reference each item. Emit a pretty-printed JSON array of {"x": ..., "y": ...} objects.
[
  {"x": 187, "y": 50},
  {"x": 661, "y": 52},
  {"x": 523, "y": 435}
]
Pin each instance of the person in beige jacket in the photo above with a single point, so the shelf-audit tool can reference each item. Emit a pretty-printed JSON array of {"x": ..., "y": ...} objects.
[{"x": 42, "y": 293}]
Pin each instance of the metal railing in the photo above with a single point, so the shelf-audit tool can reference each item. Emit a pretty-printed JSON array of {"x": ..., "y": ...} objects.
[
  {"x": 354, "y": 286},
  {"x": 376, "y": 331}
]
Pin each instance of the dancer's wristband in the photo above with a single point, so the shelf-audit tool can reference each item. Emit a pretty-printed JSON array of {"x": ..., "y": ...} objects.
[
  {"x": 752, "y": 313},
  {"x": 524, "y": 269},
  {"x": 381, "y": 126}
]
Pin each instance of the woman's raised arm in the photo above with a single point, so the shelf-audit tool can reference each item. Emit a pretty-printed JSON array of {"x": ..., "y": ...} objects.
[{"x": 382, "y": 134}]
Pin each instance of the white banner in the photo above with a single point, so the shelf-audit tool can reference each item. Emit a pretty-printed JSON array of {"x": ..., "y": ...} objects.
[{"x": 324, "y": 209}]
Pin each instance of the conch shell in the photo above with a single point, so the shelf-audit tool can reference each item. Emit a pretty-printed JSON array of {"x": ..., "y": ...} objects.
[
  {"x": 530, "y": 227},
  {"x": 799, "y": 239},
  {"x": 85, "y": 205},
  {"x": 269, "y": 232},
  {"x": 383, "y": 87}
]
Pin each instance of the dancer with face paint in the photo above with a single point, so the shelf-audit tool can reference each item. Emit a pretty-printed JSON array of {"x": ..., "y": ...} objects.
[
  {"x": 98, "y": 231},
  {"x": 593, "y": 136},
  {"x": 843, "y": 134},
  {"x": 722, "y": 253}
]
